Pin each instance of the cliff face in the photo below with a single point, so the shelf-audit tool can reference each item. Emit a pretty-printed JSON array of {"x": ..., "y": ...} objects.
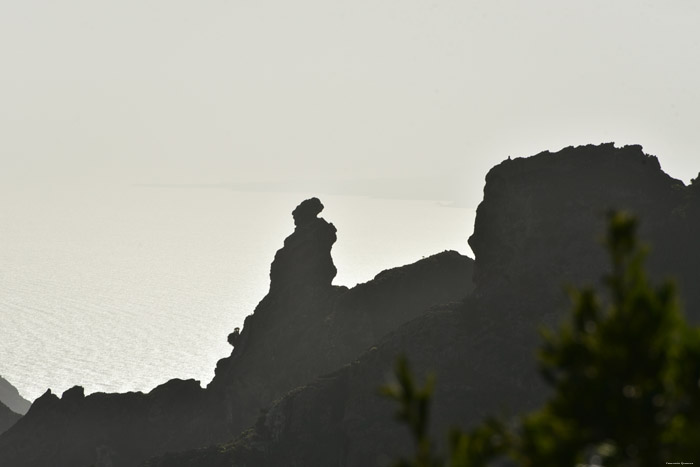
[
  {"x": 11, "y": 397},
  {"x": 535, "y": 231},
  {"x": 303, "y": 328},
  {"x": 543, "y": 217}
]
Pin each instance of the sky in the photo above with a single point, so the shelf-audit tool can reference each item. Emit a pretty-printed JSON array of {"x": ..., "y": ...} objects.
[{"x": 416, "y": 93}]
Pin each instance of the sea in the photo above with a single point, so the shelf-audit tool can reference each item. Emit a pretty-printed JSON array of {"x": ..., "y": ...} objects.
[{"x": 120, "y": 288}]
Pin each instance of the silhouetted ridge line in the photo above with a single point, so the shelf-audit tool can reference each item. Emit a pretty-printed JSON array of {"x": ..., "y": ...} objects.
[
  {"x": 535, "y": 231},
  {"x": 303, "y": 328}
]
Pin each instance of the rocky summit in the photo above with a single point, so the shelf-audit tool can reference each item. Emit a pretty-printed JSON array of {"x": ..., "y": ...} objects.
[
  {"x": 12, "y": 405},
  {"x": 305, "y": 260}
]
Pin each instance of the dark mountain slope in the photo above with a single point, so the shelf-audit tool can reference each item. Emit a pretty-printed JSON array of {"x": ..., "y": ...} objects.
[
  {"x": 303, "y": 328},
  {"x": 7, "y": 418},
  {"x": 535, "y": 231},
  {"x": 104, "y": 429},
  {"x": 12, "y": 398}
]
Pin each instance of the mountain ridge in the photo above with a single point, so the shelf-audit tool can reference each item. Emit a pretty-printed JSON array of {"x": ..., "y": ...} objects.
[
  {"x": 300, "y": 385},
  {"x": 535, "y": 231},
  {"x": 304, "y": 327}
]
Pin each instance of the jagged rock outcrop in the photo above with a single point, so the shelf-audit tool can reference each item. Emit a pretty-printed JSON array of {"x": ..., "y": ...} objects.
[
  {"x": 305, "y": 260},
  {"x": 535, "y": 231},
  {"x": 306, "y": 327},
  {"x": 303, "y": 328},
  {"x": 10, "y": 396},
  {"x": 104, "y": 429}
]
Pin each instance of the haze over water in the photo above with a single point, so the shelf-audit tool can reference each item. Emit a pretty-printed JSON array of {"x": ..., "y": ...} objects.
[{"x": 122, "y": 288}]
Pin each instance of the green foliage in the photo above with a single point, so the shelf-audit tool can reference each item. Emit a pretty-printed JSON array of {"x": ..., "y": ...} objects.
[
  {"x": 486, "y": 442},
  {"x": 413, "y": 410},
  {"x": 625, "y": 378}
]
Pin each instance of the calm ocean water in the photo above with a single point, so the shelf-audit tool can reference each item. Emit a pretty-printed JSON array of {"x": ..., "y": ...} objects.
[{"x": 122, "y": 288}]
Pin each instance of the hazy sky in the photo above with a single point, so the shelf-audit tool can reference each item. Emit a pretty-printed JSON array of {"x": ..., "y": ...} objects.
[{"x": 156, "y": 91}]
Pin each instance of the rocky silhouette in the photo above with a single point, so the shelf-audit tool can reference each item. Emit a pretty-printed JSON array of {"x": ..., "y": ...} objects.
[
  {"x": 535, "y": 231},
  {"x": 300, "y": 385},
  {"x": 303, "y": 328},
  {"x": 306, "y": 327}
]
